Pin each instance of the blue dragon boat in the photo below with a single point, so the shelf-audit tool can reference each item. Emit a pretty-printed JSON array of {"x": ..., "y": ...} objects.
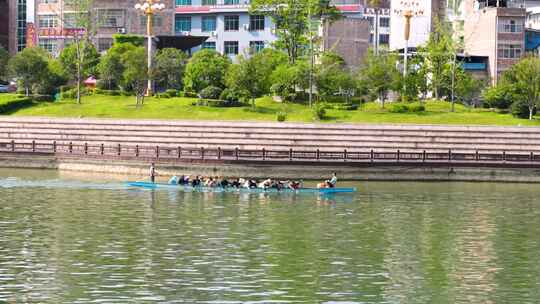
[{"x": 149, "y": 185}]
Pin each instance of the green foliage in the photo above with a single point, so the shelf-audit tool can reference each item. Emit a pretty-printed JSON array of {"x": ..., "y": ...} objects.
[
  {"x": 205, "y": 68},
  {"x": 440, "y": 50},
  {"x": 4, "y": 59},
  {"x": 406, "y": 108},
  {"x": 292, "y": 20},
  {"x": 72, "y": 93},
  {"x": 281, "y": 116},
  {"x": 524, "y": 78},
  {"x": 210, "y": 92},
  {"x": 111, "y": 68},
  {"x": 169, "y": 68},
  {"x": 170, "y": 93},
  {"x": 135, "y": 40},
  {"x": 14, "y": 103},
  {"x": 520, "y": 109},
  {"x": 52, "y": 78},
  {"x": 82, "y": 54},
  {"x": 379, "y": 74},
  {"x": 332, "y": 78},
  {"x": 287, "y": 79},
  {"x": 135, "y": 73},
  {"x": 29, "y": 66},
  {"x": 499, "y": 96},
  {"x": 319, "y": 111}
]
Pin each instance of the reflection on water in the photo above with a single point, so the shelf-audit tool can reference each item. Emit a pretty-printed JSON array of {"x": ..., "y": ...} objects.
[{"x": 64, "y": 242}]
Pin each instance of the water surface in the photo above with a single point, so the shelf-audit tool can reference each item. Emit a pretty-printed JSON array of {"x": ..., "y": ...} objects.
[{"x": 64, "y": 239}]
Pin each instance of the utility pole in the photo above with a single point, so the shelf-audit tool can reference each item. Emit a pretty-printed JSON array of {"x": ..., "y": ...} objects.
[{"x": 312, "y": 60}]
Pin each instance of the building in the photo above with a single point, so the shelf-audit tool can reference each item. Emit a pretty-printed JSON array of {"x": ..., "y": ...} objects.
[
  {"x": 421, "y": 26},
  {"x": 227, "y": 23},
  {"x": 495, "y": 29},
  {"x": 352, "y": 36},
  {"x": 13, "y": 25},
  {"x": 56, "y": 26}
]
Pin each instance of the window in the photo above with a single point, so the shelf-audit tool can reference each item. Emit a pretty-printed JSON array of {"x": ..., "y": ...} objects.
[
  {"x": 510, "y": 26},
  {"x": 182, "y": 24},
  {"x": 70, "y": 20},
  {"x": 208, "y": 23},
  {"x": 230, "y": 2},
  {"x": 384, "y": 38},
  {"x": 49, "y": 45},
  {"x": 183, "y": 2},
  {"x": 384, "y": 22},
  {"x": 509, "y": 51},
  {"x": 256, "y": 46},
  {"x": 104, "y": 44},
  {"x": 231, "y": 47},
  {"x": 231, "y": 23},
  {"x": 210, "y": 45},
  {"x": 256, "y": 23},
  {"x": 208, "y": 2},
  {"x": 48, "y": 1},
  {"x": 370, "y": 20},
  {"x": 157, "y": 21},
  {"x": 48, "y": 21},
  {"x": 111, "y": 18}
]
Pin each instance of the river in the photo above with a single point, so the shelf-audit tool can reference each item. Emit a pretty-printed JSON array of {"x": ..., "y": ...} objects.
[{"x": 64, "y": 239}]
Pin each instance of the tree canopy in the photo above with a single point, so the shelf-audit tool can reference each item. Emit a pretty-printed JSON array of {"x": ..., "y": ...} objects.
[
  {"x": 206, "y": 68},
  {"x": 169, "y": 66}
]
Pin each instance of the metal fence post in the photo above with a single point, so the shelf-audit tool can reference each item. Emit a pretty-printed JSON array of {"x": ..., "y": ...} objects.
[
  {"x": 290, "y": 154},
  {"x": 157, "y": 151},
  {"x": 398, "y": 155},
  {"x": 33, "y": 146},
  {"x": 136, "y": 150},
  {"x": 263, "y": 154},
  {"x": 236, "y": 152},
  {"x": 179, "y": 152},
  {"x": 219, "y": 153},
  {"x": 119, "y": 149},
  {"x": 70, "y": 147},
  {"x": 477, "y": 156},
  {"x": 504, "y": 156},
  {"x": 531, "y": 157},
  {"x": 345, "y": 155},
  {"x": 424, "y": 156},
  {"x": 318, "y": 154},
  {"x": 102, "y": 149},
  {"x": 12, "y": 146},
  {"x": 85, "y": 148},
  {"x": 202, "y": 153},
  {"x": 371, "y": 155},
  {"x": 54, "y": 146},
  {"x": 449, "y": 155}
]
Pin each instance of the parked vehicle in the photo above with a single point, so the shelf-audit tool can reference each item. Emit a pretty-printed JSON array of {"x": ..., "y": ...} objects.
[{"x": 6, "y": 87}]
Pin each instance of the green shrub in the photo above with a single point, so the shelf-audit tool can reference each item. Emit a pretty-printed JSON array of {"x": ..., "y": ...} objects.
[
  {"x": 189, "y": 94},
  {"x": 223, "y": 103},
  {"x": 170, "y": 93},
  {"x": 210, "y": 92},
  {"x": 346, "y": 107},
  {"x": 125, "y": 93},
  {"x": 69, "y": 94},
  {"x": 15, "y": 104},
  {"x": 319, "y": 111},
  {"x": 42, "y": 97},
  {"x": 406, "y": 108},
  {"x": 281, "y": 116},
  {"x": 520, "y": 109}
]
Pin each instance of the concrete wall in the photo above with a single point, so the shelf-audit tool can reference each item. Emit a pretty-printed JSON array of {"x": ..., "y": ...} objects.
[{"x": 349, "y": 38}]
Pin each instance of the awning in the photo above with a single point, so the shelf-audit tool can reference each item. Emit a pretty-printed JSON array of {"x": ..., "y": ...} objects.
[{"x": 184, "y": 43}]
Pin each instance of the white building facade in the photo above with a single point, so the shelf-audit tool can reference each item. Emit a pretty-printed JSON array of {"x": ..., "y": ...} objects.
[{"x": 228, "y": 24}]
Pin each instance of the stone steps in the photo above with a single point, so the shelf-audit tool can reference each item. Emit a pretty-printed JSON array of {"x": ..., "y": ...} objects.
[{"x": 271, "y": 136}]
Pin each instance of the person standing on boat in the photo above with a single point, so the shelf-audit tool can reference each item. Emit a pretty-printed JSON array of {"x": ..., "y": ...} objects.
[{"x": 153, "y": 173}]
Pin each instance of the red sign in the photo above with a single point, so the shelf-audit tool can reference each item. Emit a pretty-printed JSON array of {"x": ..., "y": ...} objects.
[{"x": 52, "y": 32}]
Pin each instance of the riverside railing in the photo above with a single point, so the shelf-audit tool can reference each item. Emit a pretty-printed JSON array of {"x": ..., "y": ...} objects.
[{"x": 161, "y": 153}]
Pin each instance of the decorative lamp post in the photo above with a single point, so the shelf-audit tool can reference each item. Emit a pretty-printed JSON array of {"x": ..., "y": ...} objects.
[
  {"x": 408, "y": 9},
  {"x": 149, "y": 8}
]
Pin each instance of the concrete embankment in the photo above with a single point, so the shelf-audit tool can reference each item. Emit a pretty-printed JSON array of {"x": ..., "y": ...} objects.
[{"x": 274, "y": 136}]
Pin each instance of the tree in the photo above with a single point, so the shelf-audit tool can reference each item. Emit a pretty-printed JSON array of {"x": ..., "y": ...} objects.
[
  {"x": 4, "y": 58},
  {"x": 29, "y": 66},
  {"x": 205, "y": 68},
  {"x": 74, "y": 68},
  {"x": 266, "y": 62},
  {"x": 439, "y": 50},
  {"x": 51, "y": 79},
  {"x": 332, "y": 77},
  {"x": 524, "y": 77},
  {"x": 169, "y": 67},
  {"x": 83, "y": 20},
  {"x": 379, "y": 74},
  {"x": 110, "y": 67},
  {"x": 289, "y": 79},
  {"x": 135, "y": 74},
  {"x": 293, "y": 20}
]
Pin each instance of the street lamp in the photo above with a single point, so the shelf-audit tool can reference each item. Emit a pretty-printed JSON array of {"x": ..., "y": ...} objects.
[
  {"x": 408, "y": 9},
  {"x": 149, "y": 8}
]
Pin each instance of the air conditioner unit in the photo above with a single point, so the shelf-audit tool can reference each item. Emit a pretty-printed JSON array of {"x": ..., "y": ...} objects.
[
  {"x": 121, "y": 30},
  {"x": 246, "y": 27},
  {"x": 213, "y": 34}
]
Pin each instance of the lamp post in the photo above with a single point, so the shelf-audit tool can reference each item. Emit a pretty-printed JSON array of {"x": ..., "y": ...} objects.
[
  {"x": 408, "y": 9},
  {"x": 149, "y": 8}
]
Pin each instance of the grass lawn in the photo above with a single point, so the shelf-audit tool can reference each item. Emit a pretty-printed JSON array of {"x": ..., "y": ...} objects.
[{"x": 101, "y": 106}]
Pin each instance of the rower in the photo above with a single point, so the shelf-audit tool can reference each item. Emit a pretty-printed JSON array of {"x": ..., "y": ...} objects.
[
  {"x": 333, "y": 181},
  {"x": 153, "y": 173}
]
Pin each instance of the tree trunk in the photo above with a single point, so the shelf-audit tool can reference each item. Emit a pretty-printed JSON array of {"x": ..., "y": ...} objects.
[
  {"x": 381, "y": 98},
  {"x": 78, "y": 72},
  {"x": 531, "y": 110}
]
